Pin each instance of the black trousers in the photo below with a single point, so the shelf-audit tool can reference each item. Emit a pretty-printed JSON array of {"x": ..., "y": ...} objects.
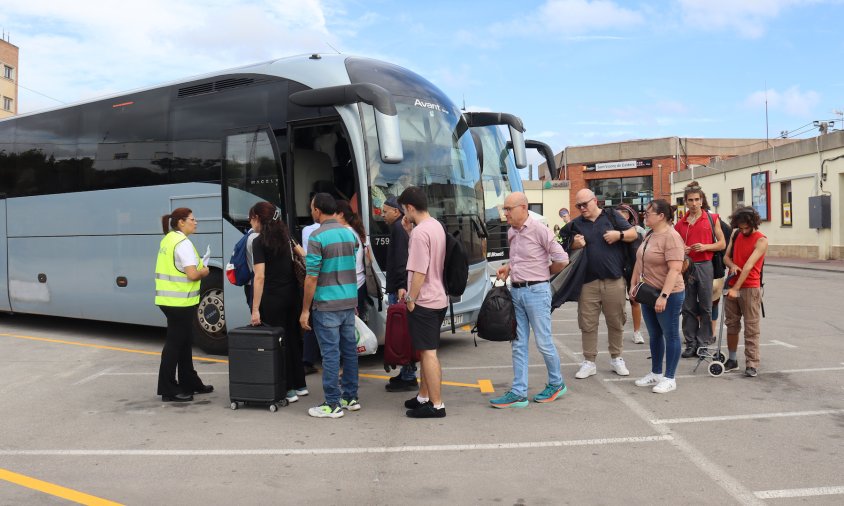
[
  {"x": 177, "y": 355},
  {"x": 283, "y": 311}
]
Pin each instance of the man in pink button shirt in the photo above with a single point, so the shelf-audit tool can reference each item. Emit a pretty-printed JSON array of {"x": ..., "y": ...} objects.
[{"x": 535, "y": 255}]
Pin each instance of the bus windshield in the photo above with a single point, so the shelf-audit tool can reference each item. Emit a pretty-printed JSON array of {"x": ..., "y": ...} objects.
[{"x": 440, "y": 157}]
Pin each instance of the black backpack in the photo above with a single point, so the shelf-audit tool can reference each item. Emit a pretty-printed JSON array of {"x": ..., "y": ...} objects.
[
  {"x": 455, "y": 270},
  {"x": 497, "y": 316}
]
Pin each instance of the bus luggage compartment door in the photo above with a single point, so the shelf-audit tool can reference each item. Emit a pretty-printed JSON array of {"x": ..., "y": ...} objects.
[{"x": 4, "y": 272}]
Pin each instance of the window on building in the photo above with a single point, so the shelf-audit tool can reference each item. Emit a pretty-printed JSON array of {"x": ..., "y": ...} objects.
[
  {"x": 785, "y": 203},
  {"x": 537, "y": 208},
  {"x": 738, "y": 198},
  {"x": 7, "y": 104},
  {"x": 8, "y": 72},
  {"x": 635, "y": 191}
]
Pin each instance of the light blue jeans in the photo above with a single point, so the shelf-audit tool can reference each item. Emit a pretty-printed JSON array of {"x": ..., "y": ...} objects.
[
  {"x": 533, "y": 310},
  {"x": 335, "y": 332}
]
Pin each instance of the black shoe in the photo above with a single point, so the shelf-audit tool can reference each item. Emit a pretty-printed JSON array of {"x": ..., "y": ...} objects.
[
  {"x": 204, "y": 389},
  {"x": 414, "y": 403},
  {"x": 689, "y": 352},
  {"x": 426, "y": 410},
  {"x": 177, "y": 398},
  {"x": 750, "y": 372},
  {"x": 402, "y": 386},
  {"x": 395, "y": 379},
  {"x": 731, "y": 365},
  {"x": 310, "y": 369}
]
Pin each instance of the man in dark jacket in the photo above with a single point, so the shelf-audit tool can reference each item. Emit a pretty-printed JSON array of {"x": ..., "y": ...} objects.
[{"x": 396, "y": 273}]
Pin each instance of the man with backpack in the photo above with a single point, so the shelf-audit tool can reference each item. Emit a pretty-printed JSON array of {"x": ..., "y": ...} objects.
[
  {"x": 702, "y": 240},
  {"x": 603, "y": 234},
  {"x": 426, "y": 299},
  {"x": 532, "y": 246},
  {"x": 745, "y": 257}
]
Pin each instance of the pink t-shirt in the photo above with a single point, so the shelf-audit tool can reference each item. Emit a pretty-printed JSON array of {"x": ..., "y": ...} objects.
[
  {"x": 426, "y": 253},
  {"x": 530, "y": 248},
  {"x": 661, "y": 248}
]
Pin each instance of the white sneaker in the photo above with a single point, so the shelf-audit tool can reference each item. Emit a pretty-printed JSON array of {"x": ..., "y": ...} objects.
[
  {"x": 650, "y": 379},
  {"x": 618, "y": 366},
  {"x": 587, "y": 369},
  {"x": 665, "y": 385},
  {"x": 301, "y": 392},
  {"x": 637, "y": 337}
]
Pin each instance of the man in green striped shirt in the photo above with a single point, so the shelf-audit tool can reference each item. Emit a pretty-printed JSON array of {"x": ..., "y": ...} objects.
[{"x": 331, "y": 286}]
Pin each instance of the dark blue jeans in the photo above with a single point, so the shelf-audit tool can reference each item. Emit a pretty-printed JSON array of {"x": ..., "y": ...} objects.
[{"x": 664, "y": 330}]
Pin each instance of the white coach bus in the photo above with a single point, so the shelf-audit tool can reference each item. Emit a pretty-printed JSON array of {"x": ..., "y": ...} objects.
[{"x": 83, "y": 187}]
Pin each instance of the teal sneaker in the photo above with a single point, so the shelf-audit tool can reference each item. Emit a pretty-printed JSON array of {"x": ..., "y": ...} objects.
[
  {"x": 509, "y": 400},
  {"x": 551, "y": 393},
  {"x": 326, "y": 410},
  {"x": 349, "y": 404}
]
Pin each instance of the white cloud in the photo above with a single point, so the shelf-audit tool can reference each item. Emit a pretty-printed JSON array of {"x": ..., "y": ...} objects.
[
  {"x": 747, "y": 17},
  {"x": 792, "y": 101},
  {"x": 78, "y": 50},
  {"x": 575, "y": 19}
]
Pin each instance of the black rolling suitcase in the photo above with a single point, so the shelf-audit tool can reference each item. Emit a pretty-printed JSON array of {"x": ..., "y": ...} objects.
[{"x": 256, "y": 366}]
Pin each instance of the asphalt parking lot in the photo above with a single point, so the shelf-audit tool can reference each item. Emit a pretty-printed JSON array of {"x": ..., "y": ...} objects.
[{"x": 81, "y": 423}]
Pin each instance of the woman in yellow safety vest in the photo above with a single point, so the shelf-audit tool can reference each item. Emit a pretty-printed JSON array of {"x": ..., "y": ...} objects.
[{"x": 178, "y": 272}]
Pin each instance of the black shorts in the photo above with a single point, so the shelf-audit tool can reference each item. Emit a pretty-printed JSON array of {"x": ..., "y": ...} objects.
[{"x": 424, "y": 325}]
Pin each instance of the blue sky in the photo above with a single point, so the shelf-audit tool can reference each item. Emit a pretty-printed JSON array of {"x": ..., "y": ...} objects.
[{"x": 577, "y": 72}]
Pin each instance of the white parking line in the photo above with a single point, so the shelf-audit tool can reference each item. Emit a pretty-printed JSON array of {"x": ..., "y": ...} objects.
[
  {"x": 783, "y": 414},
  {"x": 340, "y": 451},
  {"x": 798, "y": 492},
  {"x": 718, "y": 475},
  {"x": 648, "y": 350},
  {"x": 473, "y": 367},
  {"x": 739, "y": 373},
  {"x": 95, "y": 376}
]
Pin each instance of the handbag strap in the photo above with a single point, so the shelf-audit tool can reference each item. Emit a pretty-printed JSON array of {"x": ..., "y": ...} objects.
[{"x": 644, "y": 248}]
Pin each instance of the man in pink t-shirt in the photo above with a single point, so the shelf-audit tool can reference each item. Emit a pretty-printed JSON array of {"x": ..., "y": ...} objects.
[{"x": 426, "y": 299}]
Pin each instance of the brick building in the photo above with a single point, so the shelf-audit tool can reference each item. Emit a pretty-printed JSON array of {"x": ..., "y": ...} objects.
[
  {"x": 8, "y": 79},
  {"x": 636, "y": 172}
]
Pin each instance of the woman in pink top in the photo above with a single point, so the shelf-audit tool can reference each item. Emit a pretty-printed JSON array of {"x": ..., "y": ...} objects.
[{"x": 658, "y": 263}]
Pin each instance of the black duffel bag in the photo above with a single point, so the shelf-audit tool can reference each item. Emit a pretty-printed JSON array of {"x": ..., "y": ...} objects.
[{"x": 497, "y": 316}]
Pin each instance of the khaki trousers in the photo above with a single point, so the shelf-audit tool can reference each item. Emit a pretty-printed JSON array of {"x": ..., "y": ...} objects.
[
  {"x": 607, "y": 296},
  {"x": 749, "y": 307}
]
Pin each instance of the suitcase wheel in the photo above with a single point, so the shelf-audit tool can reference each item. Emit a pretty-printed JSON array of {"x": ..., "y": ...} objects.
[
  {"x": 273, "y": 408},
  {"x": 233, "y": 405}
]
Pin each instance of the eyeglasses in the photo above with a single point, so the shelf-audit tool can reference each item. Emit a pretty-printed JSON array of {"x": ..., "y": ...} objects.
[
  {"x": 191, "y": 219},
  {"x": 510, "y": 209},
  {"x": 582, "y": 205}
]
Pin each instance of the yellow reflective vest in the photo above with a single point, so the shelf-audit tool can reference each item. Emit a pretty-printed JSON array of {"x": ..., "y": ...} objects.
[{"x": 172, "y": 286}]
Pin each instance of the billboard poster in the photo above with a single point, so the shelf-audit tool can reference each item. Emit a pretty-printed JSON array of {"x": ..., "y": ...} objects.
[{"x": 760, "y": 193}]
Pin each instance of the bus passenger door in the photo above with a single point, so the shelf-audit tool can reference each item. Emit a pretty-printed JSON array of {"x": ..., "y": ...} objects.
[{"x": 4, "y": 261}]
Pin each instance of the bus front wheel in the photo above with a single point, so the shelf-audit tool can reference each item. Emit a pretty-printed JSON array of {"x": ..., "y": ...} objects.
[{"x": 209, "y": 326}]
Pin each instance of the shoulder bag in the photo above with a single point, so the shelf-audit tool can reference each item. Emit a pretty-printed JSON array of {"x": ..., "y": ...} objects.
[
  {"x": 644, "y": 293},
  {"x": 299, "y": 269}
]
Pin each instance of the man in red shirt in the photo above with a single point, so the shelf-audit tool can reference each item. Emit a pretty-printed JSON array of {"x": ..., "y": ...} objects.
[
  {"x": 696, "y": 229},
  {"x": 745, "y": 257}
]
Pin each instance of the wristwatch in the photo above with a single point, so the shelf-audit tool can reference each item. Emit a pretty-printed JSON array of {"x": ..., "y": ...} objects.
[
  {"x": 408, "y": 299},
  {"x": 664, "y": 295}
]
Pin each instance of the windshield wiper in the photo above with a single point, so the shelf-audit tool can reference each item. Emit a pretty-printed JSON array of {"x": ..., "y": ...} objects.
[{"x": 477, "y": 224}]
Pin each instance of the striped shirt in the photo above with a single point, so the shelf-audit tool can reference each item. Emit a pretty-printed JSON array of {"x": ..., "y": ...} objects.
[{"x": 331, "y": 258}]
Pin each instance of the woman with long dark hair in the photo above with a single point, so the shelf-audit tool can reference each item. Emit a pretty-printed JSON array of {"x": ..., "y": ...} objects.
[
  {"x": 178, "y": 272},
  {"x": 658, "y": 263},
  {"x": 275, "y": 299},
  {"x": 347, "y": 216}
]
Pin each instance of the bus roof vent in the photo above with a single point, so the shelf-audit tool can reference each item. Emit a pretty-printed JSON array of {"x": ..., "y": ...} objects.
[
  {"x": 232, "y": 83},
  {"x": 198, "y": 89},
  {"x": 221, "y": 85}
]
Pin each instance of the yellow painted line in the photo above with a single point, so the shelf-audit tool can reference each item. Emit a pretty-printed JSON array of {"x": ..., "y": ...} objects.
[
  {"x": 485, "y": 386},
  {"x": 103, "y": 347},
  {"x": 54, "y": 490}
]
